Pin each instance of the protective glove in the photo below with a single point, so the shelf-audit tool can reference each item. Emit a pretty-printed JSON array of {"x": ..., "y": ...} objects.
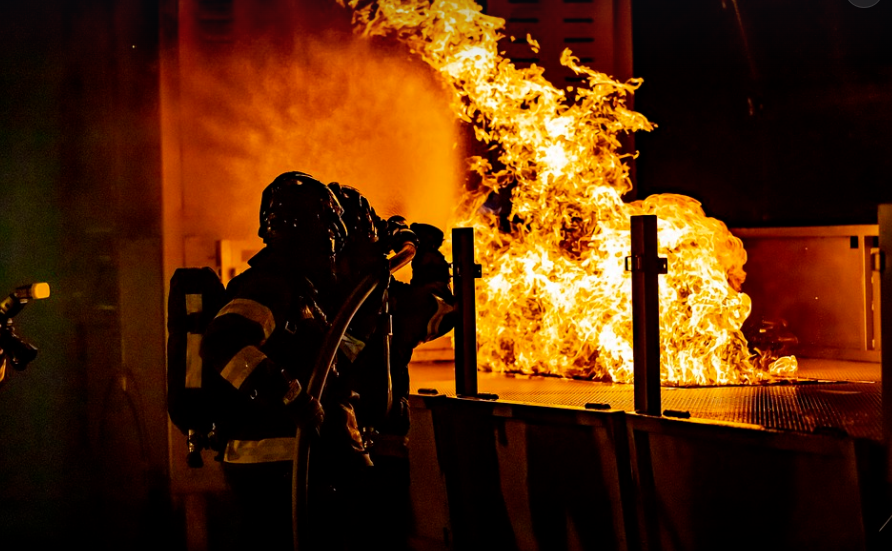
[
  {"x": 305, "y": 410},
  {"x": 429, "y": 264},
  {"x": 429, "y": 237},
  {"x": 399, "y": 233}
]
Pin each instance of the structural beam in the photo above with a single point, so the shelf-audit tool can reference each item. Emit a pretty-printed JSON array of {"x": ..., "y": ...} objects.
[
  {"x": 645, "y": 266},
  {"x": 465, "y": 272}
]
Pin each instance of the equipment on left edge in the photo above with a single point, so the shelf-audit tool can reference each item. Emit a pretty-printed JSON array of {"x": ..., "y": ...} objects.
[{"x": 15, "y": 350}]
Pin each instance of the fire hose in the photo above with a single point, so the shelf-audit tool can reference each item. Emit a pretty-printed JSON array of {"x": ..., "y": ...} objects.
[{"x": 329, "y": 348}]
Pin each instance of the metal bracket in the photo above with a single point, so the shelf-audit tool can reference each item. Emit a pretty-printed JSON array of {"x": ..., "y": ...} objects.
[
  {"x": 637, "y": 263},
  {"x": 877, "y": 261},
  {"x": 477, "y": 271}
]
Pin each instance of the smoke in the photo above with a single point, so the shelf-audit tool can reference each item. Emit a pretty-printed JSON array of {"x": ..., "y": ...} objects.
[{"x": 363, "y": 113}]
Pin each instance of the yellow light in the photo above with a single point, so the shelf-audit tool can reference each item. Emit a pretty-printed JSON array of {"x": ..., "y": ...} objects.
[{"x": 40, "y": 290}]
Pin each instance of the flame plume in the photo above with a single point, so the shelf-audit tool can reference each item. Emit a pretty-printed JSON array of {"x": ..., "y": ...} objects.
[{"x": 555, "y": 299}]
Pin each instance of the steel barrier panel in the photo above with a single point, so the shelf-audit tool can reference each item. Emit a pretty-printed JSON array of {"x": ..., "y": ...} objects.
[{"x": 707, "y": 486}]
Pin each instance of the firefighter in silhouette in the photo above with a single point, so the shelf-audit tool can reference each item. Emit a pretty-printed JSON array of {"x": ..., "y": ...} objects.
[
  {"x": 258, "y": 353},
  {"x": 378, "y": 347}
]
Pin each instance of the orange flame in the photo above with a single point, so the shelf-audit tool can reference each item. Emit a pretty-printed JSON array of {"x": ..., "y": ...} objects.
[{"x": 555, "y": 298}]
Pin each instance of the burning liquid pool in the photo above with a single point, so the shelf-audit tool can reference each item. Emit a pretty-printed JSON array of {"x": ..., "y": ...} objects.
[{"x": 555, "y": 298}]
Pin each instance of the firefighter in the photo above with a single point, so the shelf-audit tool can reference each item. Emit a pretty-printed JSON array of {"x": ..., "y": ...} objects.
[
  {"x": 258, "y": 353},
  {"x": 379, "y": 345}
]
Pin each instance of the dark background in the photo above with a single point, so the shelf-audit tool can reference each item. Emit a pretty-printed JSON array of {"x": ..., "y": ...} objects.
[
  {"x": 83, "y": 430},
  {"x": 779, "y": 117}
]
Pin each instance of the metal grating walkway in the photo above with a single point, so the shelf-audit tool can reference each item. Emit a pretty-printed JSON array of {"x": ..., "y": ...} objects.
[{"x": 830, "y": 395}]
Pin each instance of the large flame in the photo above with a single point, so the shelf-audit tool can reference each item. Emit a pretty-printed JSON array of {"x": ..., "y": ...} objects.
[{"x": 555, "y": 298}]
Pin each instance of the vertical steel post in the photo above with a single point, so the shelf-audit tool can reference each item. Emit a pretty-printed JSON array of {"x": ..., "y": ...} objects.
[
  {"x": 465, "y": 272},
  {"x": 645, "y": 266},
  {"x": 882, "y": 263}
]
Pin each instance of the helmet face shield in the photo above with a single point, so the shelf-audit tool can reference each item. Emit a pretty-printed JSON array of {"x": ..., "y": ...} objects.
[{"x": 299, "y": 208}]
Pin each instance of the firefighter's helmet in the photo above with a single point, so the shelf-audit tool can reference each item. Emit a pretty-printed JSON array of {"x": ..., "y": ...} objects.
[
  {"x": 299, "y": 208},
  {"x": 363, "y": 223}
]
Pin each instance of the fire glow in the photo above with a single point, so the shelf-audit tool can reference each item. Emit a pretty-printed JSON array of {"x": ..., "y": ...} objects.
[{"x": 555, "y": 298}]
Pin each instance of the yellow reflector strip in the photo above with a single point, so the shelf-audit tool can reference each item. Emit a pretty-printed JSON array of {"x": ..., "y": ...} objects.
[
  {"x": 351, "y": 347},
  {"x": 259, "y": 451},
  {"x": 193, "y": 360},
  {"x": 193, "y": 303},
  {"x": 242, "y": 364},
  {"x": 252, "y": 310}
]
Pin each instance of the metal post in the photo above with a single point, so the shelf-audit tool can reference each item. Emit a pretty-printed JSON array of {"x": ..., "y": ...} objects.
[
  {"x": 645, "y": 266},
  {"x": 882, "y": 265},
  {"x": 465, "y": 271}
]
